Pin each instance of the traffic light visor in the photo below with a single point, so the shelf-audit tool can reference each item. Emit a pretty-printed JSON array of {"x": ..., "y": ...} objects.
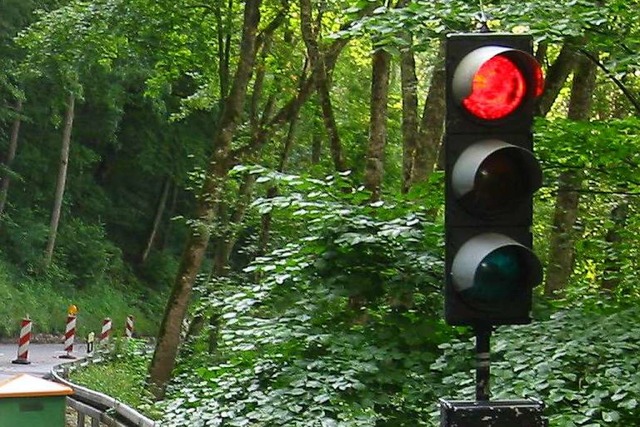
[
  {"x": 493, "y": 176},
  {"x": 492, "y": 82},
  {"x": 492, "y": 267}
]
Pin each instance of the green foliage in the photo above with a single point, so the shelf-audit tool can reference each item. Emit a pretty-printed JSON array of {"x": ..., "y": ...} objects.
[
  {"x": 40, "y": 300},
  {"x": 583, "y": 364},
  {"x": 338, "y": 322},
  {"x": 86, "y": 253},
  {"x": 45, "y": 299},
  {"x": 336, "y": 329},
  {"x": 159, "y": 270},
  {"x": 123, "y": 378},
  {"x": 24, "y": 238},
  {"x": 606, "y": 248},
  {"x": 603, "y": 148}
]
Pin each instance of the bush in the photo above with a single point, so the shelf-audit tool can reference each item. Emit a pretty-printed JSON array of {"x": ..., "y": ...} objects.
[
  {"x": 85, "y": 252},
  {"x": 24, "y": 238},
  {"x": 584, "y": 365},
  {"x": 339, "y": 328}
]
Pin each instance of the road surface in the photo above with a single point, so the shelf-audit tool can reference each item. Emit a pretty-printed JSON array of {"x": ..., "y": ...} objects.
[{"x": 43, "y": 357}]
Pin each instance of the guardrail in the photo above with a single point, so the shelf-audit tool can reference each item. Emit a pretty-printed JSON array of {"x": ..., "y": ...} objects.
[{"x": 98, "y": 407}]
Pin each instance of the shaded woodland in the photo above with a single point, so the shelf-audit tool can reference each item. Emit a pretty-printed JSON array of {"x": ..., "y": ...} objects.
[{"x": 268, "y": 173}]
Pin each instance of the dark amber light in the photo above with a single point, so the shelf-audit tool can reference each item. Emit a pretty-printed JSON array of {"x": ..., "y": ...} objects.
[{"x": 498, "y": 88}]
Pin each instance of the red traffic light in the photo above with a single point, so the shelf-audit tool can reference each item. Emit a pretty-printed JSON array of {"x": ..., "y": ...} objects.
[
  {"x": 492, "y": 82},
  {"x": 498, "y": 88}
]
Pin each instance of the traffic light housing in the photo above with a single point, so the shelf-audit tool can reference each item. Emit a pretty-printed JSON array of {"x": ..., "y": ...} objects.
[{"x": 491, "y": 175}]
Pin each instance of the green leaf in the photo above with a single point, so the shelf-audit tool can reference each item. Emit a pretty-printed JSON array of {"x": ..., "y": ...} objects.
[{"x": 610, "y": 416}]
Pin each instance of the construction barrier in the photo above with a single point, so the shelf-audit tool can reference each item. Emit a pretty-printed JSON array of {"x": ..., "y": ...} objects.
[
  {"x": 106, "y": 330},
  {"x": 23, "y": 342},
  {"x": 69, "y": 337},
  {"x": 129, "y": 328}
]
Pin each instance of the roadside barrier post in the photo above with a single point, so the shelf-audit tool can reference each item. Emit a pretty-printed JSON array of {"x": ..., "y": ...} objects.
[
  {"x": 129, "y": 328},
  {"x": 70, "y": 332},
  {"x": 90, "y": 339},
  {"x": 106, "y": 330},
  {"x": 69, "y": 337},
  {"x": 23, "y": 342}
]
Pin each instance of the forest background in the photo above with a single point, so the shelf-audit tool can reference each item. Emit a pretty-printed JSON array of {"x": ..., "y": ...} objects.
[{"x": 258, "y": 183}]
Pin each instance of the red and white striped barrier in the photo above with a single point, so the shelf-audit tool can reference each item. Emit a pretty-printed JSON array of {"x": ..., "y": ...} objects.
[
  {"x": 106, "y": 330},
  {"x": 23, "y": 342},
  {"x": 128, "y": 332},
  {"x": 69, "y": 337}
]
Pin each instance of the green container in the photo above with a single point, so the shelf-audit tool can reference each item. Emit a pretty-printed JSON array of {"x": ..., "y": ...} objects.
[{"x": 34, "y": 402}]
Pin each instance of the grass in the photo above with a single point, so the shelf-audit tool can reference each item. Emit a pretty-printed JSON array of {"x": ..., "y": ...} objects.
[
  {"x": 122, "y": 377},
  {"x": 46, "y": 301}
]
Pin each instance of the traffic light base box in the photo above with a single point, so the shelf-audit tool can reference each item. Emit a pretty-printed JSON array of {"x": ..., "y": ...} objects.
[
  {"x": 27, "y": 401},
  {"x": 499, "y": 413}
]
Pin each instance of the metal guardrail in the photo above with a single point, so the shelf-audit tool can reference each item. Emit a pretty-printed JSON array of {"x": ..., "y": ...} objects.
[{"x": 98, "y": 407}]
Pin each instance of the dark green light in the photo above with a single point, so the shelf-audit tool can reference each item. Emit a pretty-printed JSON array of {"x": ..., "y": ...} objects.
[{"x": 500, "y": 275}]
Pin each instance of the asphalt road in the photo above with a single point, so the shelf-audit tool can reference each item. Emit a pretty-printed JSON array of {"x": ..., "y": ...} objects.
[{"x": 43, "y": 357}]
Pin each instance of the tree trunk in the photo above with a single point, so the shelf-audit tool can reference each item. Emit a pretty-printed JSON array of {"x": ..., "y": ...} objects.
[
  {"x": 162, "y": 204},
  {"x": 409, "y": 83},
  {"x": 316, "y": 149},
  {"x": 541, "y": 52},
  {"x": 265, "y": 223},
  {"x": 619, "y": 215},
  {"x": 224, "y": 45},
  {"x": 228, "y": 239},
  {"x": 170, "y": 214},
  {"x": 556, "y": 77},
  {"x": 321, "y": 79},
  {"x": 562, "y": 250},
  {"x": 432, "y": 123},
  {"x": 11, "y": 155},
  {"x": 374, "y": 165},
  {"x": 306, "y": 84},
  {"x": 258, "y": 86},
  {"x": 61, "y": 182},
  {"x": 164, "y": 356}
]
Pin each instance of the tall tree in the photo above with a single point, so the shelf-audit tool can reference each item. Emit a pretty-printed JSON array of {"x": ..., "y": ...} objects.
[
  {"x": 409, "y": 85},
  {"x": 562, "y": 245},
  {"x": 374, "y": 164},
  {"x": 11, "y": 154},
  {"x": 164, "y": 356},
  {"x": 556, "y": 77},
  {"x": 618, "y": 217},
  {"x": 431, "y": 123},
  {"x": 157, "y": 219},
  {"x": 62, "y": 179},
  {"x": 317, "y": 58}
]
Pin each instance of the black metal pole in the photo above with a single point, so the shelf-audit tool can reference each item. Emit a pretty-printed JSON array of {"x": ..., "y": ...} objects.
[{"x": 483, "y": 362}]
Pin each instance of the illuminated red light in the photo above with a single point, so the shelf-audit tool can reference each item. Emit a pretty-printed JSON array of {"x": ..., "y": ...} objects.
[
  {"x": 498, "y": 89},
  {"x": 539, "y": 81}
]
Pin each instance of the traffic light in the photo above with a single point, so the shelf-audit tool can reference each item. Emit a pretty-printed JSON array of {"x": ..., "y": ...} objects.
[{"x": 491, "y": 175}]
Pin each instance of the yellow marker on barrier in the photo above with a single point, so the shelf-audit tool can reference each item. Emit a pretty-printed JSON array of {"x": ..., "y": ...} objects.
[{"x": 72, "y": 310}]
